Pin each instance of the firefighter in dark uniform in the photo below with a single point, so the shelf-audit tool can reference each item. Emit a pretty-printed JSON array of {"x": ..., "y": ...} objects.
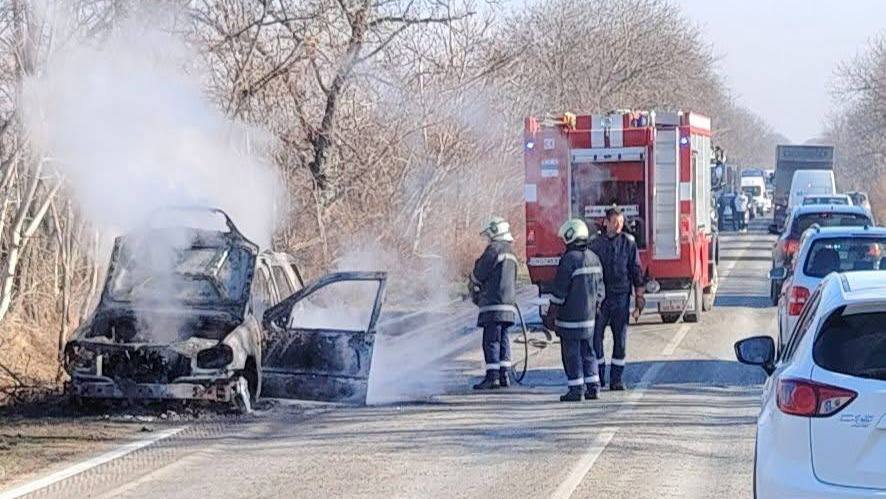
[
  {"x": 577, "y": 291},
  {"x": 493, "y": 289},
  {"x": 621, "y": 273}
]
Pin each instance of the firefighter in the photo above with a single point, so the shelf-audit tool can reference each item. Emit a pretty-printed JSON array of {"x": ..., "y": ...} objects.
[
  {"x": 493, "y": 288},
  {"x": 577, "y": 291},
  {"x": 621, "y": 272}
]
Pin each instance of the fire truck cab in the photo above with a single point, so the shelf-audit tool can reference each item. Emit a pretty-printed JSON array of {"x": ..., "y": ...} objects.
[{"x": 655, "y": 166}]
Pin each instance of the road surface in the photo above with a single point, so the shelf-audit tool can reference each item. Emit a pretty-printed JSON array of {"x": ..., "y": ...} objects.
[{"x": 684, "y": 429}]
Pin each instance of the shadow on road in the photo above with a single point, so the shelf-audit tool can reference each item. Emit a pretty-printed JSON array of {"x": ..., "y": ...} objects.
[
  {"x": 743, "y": 301},
  {"x": 716, "y": 373}
]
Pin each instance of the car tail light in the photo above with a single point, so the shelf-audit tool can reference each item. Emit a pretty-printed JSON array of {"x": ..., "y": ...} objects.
[
  {"x": 797, "y": 297},
  {"x": 530, "y": 236},
  {"x": 801, "y": 397},
  {"x": 791, "y": 246}
]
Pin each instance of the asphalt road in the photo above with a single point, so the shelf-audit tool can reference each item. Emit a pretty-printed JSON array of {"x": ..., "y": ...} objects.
[{"x": 685, "y": 428}]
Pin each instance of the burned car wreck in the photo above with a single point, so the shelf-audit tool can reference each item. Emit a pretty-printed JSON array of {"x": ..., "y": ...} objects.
[{"x": 180, "y": 317}]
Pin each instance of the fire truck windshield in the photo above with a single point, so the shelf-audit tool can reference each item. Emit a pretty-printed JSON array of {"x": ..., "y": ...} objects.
[{"x": 598, "y": 186}]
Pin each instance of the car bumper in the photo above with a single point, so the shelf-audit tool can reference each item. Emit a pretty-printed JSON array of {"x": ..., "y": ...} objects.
[
  {"x": 807, "y": 486},
  {"x": 99, "y": 387},
  {"x": 784, "y": 469}
]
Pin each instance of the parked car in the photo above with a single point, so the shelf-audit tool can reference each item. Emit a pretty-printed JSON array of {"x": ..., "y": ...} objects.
[
  {"x": 842, "y": 199},
  {"x": 180, "y": 317},
  {"x": 821, "y": 430},
  {"x": 824, "y": 250},
  {"x": 802, "y": 218}
]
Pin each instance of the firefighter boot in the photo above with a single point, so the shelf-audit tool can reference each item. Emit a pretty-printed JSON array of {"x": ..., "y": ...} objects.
[
  {"x": 592, "y": 391},
  {"x": 490, "y": 382},
  {"x": 574, "y": 394},
  {"x": 504, "y": 377},
  {"x": 615, "y": 382}
]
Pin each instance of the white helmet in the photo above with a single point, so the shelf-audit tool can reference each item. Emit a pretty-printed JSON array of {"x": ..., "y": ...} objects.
[
  {"x": 497, "y": 229},
  {"x": 574, "y": 230}
]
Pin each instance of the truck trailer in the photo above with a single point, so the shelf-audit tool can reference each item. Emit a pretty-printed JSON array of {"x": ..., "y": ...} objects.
[{"x": 789, "y": 159}]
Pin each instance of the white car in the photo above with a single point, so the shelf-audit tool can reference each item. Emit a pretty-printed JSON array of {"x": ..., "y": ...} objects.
[
  {"x": 821, "y": 431},
  {"x": 823, "y": 250}
]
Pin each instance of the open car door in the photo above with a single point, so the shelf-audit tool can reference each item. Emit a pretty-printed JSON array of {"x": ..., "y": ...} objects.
[{"x": 318, "y": 342}]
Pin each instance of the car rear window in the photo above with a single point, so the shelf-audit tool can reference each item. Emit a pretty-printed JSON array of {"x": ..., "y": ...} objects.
[
  {"x": 826, "y": 200},
  {"x": 845, "y": 254},
  {"x": 854, "y": 345},
  {"x": 827, "y": 219}
]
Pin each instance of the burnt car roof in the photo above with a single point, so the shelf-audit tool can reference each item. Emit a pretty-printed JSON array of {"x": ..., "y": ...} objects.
[{"x": 196, "y": 238}]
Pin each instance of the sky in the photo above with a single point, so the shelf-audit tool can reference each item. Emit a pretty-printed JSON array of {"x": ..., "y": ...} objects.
[{"x": 779, "y": 56}]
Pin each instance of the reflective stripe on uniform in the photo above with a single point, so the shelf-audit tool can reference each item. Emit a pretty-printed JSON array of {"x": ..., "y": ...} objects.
[
  {"x": 618, "y": 362},
  {"x": 593, "y": 379},
  {"x": 498, "y": 308},
  {"x": 493, "y": 367},
  {"x": 596, "y": 269},
  {"x": 574, "y": 325},
  {"x": 557, "y": 301},
  {"x": 575, "y": 382},
  {"x": 506, "y": 256},
  {"x": 505, "y": 363},
  {"x": 601, "y": 360}
]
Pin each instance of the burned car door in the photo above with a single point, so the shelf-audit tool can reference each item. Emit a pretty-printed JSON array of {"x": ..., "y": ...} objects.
[{"x": 318, "y": 343}]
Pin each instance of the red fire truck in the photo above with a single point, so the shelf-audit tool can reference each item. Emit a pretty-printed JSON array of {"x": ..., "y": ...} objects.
[{"x": 656, "y": 167}]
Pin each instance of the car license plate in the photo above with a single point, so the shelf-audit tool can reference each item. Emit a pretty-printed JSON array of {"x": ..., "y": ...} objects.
[{"x": 671, "y": 305}]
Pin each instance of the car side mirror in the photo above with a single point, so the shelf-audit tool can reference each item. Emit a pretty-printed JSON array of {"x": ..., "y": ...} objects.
[
  {"x": 757, "y": 351},
  {"x": 773, "y": 229},
  {"x": 778, "y": 274}
]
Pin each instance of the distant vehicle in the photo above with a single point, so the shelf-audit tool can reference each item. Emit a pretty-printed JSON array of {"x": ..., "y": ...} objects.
[
  {"x": 860, "y": 199},
  {"x": 802, "y": 218},
  {"x": 789, "y": 159},
  {"x": 820, "y": 430},
  {"x": 752, "y": 172},
  {"x": 822, "y": 251},
  {"x": 841, "y": 199},
  {"x": 810, "y": 183},
  {"x": 179, "y": 317},
  {"x": 755, "y": 188}
]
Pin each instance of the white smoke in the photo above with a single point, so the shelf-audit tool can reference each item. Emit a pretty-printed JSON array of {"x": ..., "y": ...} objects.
[
  {"x": 418, "y": 337},
  {"x": 128, "y": 126}
]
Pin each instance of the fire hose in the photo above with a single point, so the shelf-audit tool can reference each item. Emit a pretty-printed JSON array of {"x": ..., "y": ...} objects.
[{"x": 520, "y": 373}]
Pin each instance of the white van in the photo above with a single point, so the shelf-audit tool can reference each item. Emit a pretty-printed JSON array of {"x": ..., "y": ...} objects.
[
  {"x": 809, "y": 183},
  {"x": 755, "y": 188}
]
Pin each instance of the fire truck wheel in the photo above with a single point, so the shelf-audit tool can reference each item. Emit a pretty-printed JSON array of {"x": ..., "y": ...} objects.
[
  {"x": 670, "y": 318},
  {"x": 696, "y": 315}
]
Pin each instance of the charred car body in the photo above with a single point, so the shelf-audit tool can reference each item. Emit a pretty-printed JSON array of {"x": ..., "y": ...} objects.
[{"x": 180, "y": 317}]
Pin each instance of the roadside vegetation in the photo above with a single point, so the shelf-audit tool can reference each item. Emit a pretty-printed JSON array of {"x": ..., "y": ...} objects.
[
  {"x": 394, "y": 124},
  {"x": 858, "y": 123}
]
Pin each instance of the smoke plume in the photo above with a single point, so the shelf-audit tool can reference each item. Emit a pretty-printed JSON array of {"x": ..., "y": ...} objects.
[{"x": 125, "y": 121}]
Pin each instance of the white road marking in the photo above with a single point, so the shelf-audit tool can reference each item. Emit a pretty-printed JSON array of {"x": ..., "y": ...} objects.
[
  {"x": 78, "y": 468},
  {"x": 671, "y": 347},
  {"x": 567, "y": 488},
  {"x": 584, "y": 465},
  {"x": 632, "y": 397}
]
